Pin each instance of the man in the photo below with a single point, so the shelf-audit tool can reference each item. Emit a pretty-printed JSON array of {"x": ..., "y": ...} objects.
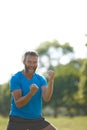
[{"x": 27, "y": 90}]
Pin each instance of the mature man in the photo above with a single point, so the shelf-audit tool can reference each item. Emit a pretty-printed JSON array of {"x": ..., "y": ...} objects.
[{"x": 27, "y": 89}]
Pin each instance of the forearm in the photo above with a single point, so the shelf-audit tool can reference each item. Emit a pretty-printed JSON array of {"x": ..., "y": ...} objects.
[
  {"x": 49, "y": 90},
  {"x": 22, "y": 101}
]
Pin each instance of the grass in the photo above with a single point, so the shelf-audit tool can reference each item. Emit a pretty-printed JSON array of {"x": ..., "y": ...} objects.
[
  {"x": 67, "y": 123},
  {"x": 3, "y": 123},
  {"x": 61, "y": 123}
]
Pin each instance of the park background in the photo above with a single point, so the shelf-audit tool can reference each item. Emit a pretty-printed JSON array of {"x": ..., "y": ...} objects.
[
  {"x": 57, "y": 30},
  {"x": 69, "y": 97}
]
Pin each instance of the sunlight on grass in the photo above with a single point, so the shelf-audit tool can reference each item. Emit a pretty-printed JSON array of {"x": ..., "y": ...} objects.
[
  {"x": 66, "y": 123},
  {"x": 3, "y": 123}
]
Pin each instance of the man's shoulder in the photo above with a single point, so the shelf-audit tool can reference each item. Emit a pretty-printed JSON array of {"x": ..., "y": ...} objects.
[
  {"x": 16, "y": 75},
  {"x": 39, "y": 76}
]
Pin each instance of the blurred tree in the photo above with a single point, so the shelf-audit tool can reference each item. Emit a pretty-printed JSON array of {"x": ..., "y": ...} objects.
[
  {"x": 65, "y": 87},
  {"x": 4, "y": 99},
  {"x": 51, "y": 53},
  {"x": 83, "y": 87}
]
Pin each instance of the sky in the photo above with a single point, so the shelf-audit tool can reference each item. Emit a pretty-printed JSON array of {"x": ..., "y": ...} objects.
[{"x": 25, "y": 24}]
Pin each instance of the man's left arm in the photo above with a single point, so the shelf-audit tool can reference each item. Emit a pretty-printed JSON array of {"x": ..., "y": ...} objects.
[{"x": 48, "y": 90}]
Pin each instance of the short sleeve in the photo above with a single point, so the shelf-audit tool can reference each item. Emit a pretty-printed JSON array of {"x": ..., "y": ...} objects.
[
  {"x": 14, "y": 83},
  {"x": 44, "y": 81}
]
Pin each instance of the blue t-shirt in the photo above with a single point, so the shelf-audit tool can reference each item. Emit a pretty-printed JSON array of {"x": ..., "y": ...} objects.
[{"x": 33, "y": 109}]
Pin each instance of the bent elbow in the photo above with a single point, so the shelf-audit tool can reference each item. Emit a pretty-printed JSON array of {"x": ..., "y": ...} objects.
[
  {"x": 46, "y": 99},
  {"x": 18, "y": 105}
]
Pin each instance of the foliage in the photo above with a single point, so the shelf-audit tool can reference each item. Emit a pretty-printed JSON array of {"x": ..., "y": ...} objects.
[
  {"x": 4, "y": 99},
  {"x": 65, "y": 87},
  {"x": 51, "y": 53},
  {"x": 82, "y": 93},
  {"x": 43, "y": 47}
]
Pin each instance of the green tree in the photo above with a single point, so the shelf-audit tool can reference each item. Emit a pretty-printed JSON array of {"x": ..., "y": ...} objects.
[
  {"x": 66, "y": 86},
  {"x": 4, "y": 99},
  {"x": 50, "y": 54},
  {"x": 83, "y": 87}
]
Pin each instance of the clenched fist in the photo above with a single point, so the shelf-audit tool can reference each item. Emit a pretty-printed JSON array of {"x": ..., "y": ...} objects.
[
  {"x": 50, "y": 75},
  {"x": 33, "y": 89}
]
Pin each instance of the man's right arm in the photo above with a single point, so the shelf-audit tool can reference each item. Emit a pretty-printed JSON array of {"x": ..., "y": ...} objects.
[{"x": 20, "y": 100}]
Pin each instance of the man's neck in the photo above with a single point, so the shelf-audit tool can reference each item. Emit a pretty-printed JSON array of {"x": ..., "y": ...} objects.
[{"x": 27, "y": 75}]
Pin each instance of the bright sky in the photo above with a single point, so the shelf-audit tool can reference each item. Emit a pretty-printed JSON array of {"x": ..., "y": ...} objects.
[{"x": 24, "y": 24}]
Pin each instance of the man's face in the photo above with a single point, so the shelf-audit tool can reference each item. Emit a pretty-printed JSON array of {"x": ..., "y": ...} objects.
[{"x": 30, "y": 63}]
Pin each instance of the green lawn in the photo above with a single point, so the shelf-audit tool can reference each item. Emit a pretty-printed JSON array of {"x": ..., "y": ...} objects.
[
  {"x": 66, "y": 123},
  {"x": 62, "y": 123}
]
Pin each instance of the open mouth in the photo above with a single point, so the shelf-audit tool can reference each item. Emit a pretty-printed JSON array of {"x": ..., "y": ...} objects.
[{"x": 31, "y": 69}]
